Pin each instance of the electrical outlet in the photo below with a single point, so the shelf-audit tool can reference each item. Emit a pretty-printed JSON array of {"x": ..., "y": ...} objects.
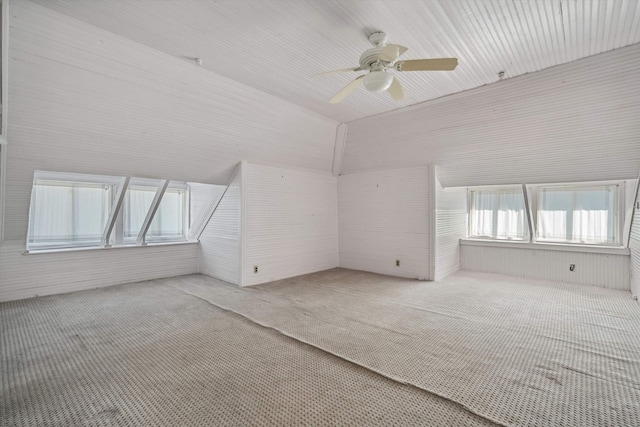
[
  {"x": 397, "y": 263},
  {"x": 255, "y": 269},
  {"x": 572, "y": 267}
]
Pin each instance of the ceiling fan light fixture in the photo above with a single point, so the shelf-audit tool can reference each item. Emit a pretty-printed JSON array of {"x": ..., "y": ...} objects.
[{"x": 377, "y": 81}]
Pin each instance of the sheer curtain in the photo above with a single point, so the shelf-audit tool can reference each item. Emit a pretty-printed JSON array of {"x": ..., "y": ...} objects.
[
  {"x": 498, "y": 214},
  {"x": 168, "y": 222},
  {"x": 136, "y": 205},
  {"x": 67, "y": 214},
  {"x": 578, "y": 215}
]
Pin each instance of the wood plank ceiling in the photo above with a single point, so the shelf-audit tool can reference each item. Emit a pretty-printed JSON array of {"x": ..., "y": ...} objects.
[{"x": 276, "y": 45}]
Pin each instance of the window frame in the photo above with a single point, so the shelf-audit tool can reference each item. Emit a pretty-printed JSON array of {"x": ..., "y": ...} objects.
[
  {"x": 494, "y": 188},
  {"x": 173, "y": 185},
  {"x": 619, "y": 203},
  {"x": 530, "y": 194},
  {"x": 113, "y": 230},
  {"x": 72, "y": 179}
]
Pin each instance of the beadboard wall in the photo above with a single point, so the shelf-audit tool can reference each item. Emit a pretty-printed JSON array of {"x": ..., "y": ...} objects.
[
  {"x": 291, "y": 219},
  {"x": 573, "y": 122},
  {"x": 451, "y": 226},
  {"x": 596, "y": 269},
  {"x": 85, "y": 100},
  {"x": 219, "y": 254},
  {"x": 25, "y": 276},
  {"x": 384, "y": 216},
  {"x": 634, "y": 246}
]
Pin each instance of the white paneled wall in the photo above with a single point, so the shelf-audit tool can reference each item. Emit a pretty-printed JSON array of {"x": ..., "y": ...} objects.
[
  {"x": 451, "y": 223},
  {"x": 604, "y": 270},
  {"x": 384, "y": 216},
  {"x": 573, "y": 122},
  {"x": 85, "y": 100},
  {"x": 634, "y": 246},
  {"x": 24, "y": 276},
  {"x": 219, "y": 254},
  {"x": 290, "y": 222}
]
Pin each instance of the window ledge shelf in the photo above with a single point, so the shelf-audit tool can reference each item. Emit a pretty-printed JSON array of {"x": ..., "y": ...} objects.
[
  {"x": 609, "y": 250},
  {"x": 106, "y": 248}
]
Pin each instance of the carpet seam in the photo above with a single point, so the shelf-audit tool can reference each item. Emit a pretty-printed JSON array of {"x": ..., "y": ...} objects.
[{"x": 351, "y": 361}]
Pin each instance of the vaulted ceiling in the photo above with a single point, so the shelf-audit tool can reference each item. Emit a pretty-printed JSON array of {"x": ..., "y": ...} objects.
[{"x": 276, "y": 45}]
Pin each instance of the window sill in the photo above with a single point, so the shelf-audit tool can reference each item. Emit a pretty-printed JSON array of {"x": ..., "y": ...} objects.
[
  {"x": 103, "y": 248},
  {"x": 610, "y": 250}
]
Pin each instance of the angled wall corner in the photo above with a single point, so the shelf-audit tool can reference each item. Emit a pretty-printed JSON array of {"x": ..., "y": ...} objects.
[
  {"x": 220, "y": 242},
  {"x": 290, "y": 223},
  {"x": 634, "y": 246},
  {"x": 450, "y": 226},
  {"x": 384, "y": 220}
]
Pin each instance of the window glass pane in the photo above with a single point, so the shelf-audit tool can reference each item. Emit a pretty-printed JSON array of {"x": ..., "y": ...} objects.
[
  {"x": 68, "y": 213},
  {"x": 578, "y": 215},
  {"x": 498, "y": 214},
  {"x": 137, "y": 202},
  {"x": 169, "y": 220}
]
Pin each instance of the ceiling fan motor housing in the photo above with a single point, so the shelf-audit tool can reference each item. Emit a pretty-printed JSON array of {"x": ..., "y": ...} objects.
[{"x": 370, "y": 57}]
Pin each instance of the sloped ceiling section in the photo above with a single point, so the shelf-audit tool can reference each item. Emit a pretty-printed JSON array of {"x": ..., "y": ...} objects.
[
  {"x": 276, "y": 45},
  {"x": 86, "y": 100},
  {"x": 574, "y": 122}
]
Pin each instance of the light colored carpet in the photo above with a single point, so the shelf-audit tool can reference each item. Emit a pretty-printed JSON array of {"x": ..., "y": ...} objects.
[
  {"x": 149, "y": 354},
  {"x": 516, "y": 351}
]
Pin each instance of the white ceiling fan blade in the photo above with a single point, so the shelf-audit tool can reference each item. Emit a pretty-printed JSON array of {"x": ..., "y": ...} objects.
[
  {"x": 435, "y": 64},
  {"x": 344, "y": 70},
  {"x": 391, "y": 52},
  {"x": 347, "y": 90},
  {"x": 396, "y": 90}
]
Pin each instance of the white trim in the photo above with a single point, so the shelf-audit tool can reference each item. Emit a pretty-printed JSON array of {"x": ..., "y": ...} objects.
[
  {"x": 5, "y": 71},
  {"x": 40, "y": 175},
  {"x": 115, "y": 211},
  {"x": 433, "y": 223},
  {"x": 3, "y": 178},
  {"x": 610, "y": 250},
  {"x": 102, "y": 248},
  {"x": 243, "y": 222},
  {"x": 338, "y": 149}
]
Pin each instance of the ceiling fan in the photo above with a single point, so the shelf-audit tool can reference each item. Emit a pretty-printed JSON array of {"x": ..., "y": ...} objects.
[{"x": 379, "y": 60}]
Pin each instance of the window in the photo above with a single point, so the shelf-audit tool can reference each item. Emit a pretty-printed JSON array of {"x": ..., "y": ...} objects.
[
  {"x": 76, "y": 210},
  {"x": 68, "y": 213},
  {"x": 170, "y": 221},
  {"x": 578, "y": 214},
  {"x": 498, "y": 214},
  {"x": 137, "y": 202}
]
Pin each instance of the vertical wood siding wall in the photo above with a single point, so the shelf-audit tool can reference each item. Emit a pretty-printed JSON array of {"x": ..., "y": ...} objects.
[
  {"x": 290, "y": 223},
  {"x": 219, "y": 254},
  {"x": 85, "y": 100},
  {"x": 573, "y": 122},
  {"x": 451, "y": 222},
  {"x": 384, "y": 216}
]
